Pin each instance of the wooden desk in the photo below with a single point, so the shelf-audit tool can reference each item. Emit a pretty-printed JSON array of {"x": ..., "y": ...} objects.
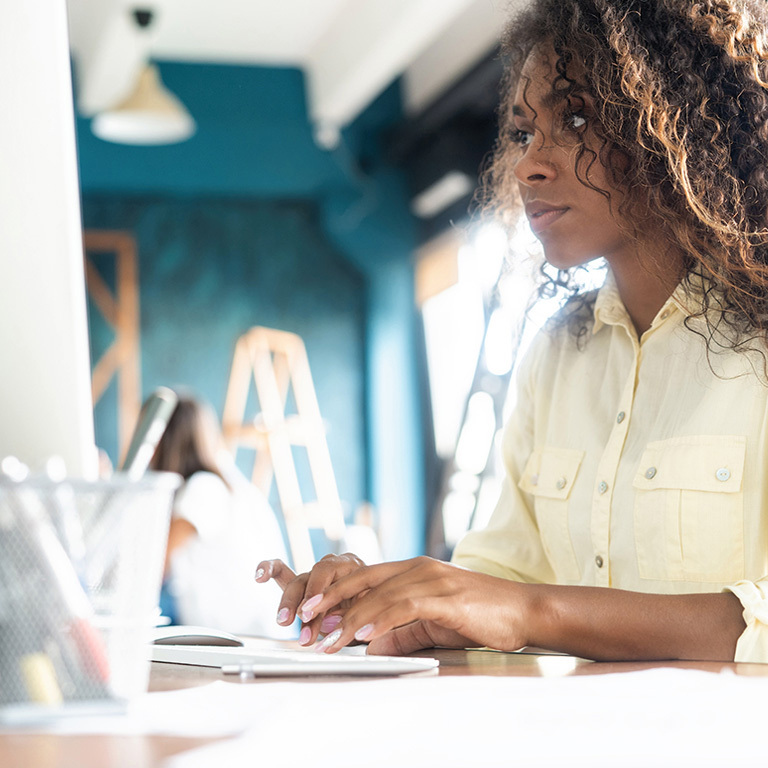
[{"x": 20, "y": 750}]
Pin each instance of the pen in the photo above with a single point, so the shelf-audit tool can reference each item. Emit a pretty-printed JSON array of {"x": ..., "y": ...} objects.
[
  {"x": 60, "y": 575},
  {"x": 62, "y": 510},
  {"x": 28, "y": 672},
  {"x": 153, "y": 420}
]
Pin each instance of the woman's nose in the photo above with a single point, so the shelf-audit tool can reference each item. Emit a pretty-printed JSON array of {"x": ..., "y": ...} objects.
[{"x": 536, "y": 166}]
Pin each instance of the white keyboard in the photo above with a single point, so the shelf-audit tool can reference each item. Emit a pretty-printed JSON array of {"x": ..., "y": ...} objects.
[{"x": 282, "y": 663}]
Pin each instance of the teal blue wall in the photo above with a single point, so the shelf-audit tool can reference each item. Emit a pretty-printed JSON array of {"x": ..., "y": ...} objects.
[
  {"x": 249, "y": 222},
  {"x": 210, "y": 269},
  {"x": 253, "y": 139}
]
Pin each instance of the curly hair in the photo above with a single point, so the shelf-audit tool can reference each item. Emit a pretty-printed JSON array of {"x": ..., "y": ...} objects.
[{"x": 681, "y": 92}]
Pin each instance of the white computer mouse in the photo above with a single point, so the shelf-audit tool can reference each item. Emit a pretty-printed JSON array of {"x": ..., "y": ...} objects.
[{"x": 186, "y": 634}]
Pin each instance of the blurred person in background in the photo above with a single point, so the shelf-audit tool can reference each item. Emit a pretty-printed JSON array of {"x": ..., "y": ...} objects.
[{"x": 221, "y": 525}]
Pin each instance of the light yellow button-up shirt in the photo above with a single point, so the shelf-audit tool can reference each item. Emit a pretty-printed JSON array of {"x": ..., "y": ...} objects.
[{"x": 637, "y": 464}]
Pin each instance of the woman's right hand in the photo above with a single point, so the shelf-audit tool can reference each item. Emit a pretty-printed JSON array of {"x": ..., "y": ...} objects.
[{"x": 298, "y": 590}]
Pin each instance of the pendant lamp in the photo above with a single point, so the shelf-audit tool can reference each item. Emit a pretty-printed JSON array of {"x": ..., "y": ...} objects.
[{"x": 151, "y": 114}]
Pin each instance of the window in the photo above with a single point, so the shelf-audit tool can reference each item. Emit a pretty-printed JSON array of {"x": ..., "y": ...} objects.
[{"x": 477, "y": 325}]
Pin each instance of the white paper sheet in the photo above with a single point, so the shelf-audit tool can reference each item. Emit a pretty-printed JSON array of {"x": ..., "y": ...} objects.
[{"x": 662, "y": 717}]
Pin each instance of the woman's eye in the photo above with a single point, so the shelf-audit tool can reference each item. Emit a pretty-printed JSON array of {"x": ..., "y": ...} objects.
[
  {"x": 577, "y": 121},
  {"x": 521, "y": 138}
]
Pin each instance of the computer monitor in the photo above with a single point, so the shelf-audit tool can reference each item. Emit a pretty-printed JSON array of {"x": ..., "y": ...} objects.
[{"x": 45, "y": 393}]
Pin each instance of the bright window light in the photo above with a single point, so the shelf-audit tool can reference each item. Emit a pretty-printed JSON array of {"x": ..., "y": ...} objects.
[
  {"x": 499, "y": 341},
  {"x": 489, "y": 248},
  {"x": 454, "y": 324},
  {"x": 477, "y": 434},
  {"x": 457, "y": 513},
  {"x": 466, "y": 482}
]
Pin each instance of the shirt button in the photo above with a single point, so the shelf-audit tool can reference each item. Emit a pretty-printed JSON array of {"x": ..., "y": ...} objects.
[
  {"x": 599, "y": 561},
  {"x": 561, "y": 483},
  {"x": 534, "y": 479},
  {"x": 620, "y": 417},
  {"x": 650, "y": 473},
  {"x": 603, "y": 487},
  {"x": 665, "y": 314},
  {"x": 723, "y": 474}
]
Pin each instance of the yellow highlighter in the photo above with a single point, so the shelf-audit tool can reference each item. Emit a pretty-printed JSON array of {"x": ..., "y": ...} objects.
[{"x": 40, "y": 679}]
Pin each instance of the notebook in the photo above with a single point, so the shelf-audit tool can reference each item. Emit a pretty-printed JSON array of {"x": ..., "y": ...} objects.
[{"x": 274, "y": 662}]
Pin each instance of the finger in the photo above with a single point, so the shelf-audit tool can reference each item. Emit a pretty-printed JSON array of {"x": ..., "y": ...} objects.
[
  {"x": 275, "y": 569},
  {"x": 419, "y": 589},
  {"x": 393, "y": 604},
  {"x": 402, "y": 640},
  {"x": 416, "y": 636},
  {"x": 293, "y": 594},
  {"x": 330, "y": 622},
  {"x": 351, "y": 586},
  {"x": 319, "y": 628},
  {"x": 352, "y": 630},
  {"x": 326, "y": 572},
  {"x": 263, "y": 571}
]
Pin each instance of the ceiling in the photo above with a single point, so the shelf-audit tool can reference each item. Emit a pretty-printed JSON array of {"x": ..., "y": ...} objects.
[
  {"x": 350, "y": 50},
  {"x": 444, "y": 51}
]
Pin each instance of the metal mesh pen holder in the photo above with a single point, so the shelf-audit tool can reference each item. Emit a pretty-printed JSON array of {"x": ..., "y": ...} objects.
[{"x": 80, "y": 574}]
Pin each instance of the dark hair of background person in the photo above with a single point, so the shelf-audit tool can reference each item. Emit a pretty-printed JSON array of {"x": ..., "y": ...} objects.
[
  {"x": 190, "y": 441},
  {"x": 681, "y": 96}
]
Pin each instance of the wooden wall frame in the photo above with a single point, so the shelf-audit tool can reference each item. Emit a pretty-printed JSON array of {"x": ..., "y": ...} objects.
[{"x": 120, "y": 310}]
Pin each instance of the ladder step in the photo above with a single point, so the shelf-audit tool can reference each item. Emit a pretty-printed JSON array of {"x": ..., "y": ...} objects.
[{"x": 276, "y": 362}]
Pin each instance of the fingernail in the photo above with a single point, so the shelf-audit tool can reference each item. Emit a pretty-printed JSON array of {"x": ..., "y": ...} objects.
[
  {"x": 306, "y": 609},
  {"x": 282, "y": 615},
  {"x": 364, "y": 632},
  {"x": 329, "y": 623},
  {"x": 304, "y": 637},
  {"x": 259, "y": 574},
  {"x": 329, "y": 641}
]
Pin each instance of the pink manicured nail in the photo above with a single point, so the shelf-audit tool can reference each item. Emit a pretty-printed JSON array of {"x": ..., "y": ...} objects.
[
  {"x": 282, "y": 615},
  {"x": 306, "y": 609},
  {"x": 364, "y": 632},
  {"x": 328, "y": 641},
  {"x": 304, "y": 637},
  {"x": 329, "y": 623}
]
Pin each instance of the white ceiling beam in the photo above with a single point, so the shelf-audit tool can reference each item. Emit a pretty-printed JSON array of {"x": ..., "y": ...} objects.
[
  {"x": 109, "y": 50},
  {"x": 472, "y": 35},
  {"x": 369, "y": 45}
]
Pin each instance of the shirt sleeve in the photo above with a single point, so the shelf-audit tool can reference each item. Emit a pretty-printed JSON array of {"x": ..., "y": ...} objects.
[
  {"x": 204, "y": 501},
  {"x": 753, "y": 643},
  {"x": 510, "y": 546}
]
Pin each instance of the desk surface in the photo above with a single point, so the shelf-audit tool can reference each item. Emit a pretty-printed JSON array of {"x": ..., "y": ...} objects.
[{"x": 20, "y": 750}]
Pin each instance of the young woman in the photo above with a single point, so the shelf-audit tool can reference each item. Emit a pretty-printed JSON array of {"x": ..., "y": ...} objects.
[
  {"x": 219, "y": 522},
  {"x": 633, "y": 523}
]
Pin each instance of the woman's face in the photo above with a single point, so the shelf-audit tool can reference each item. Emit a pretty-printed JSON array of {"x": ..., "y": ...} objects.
[{"x": 574, "y": 223}]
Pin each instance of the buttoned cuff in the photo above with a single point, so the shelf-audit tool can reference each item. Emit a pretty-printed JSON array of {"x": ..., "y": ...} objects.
[{"x": 753, "y": 643}]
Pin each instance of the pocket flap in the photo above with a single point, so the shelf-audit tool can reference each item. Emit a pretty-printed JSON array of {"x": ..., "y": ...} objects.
[
  {"x": 704, "y": 463},
  {"x": 551, "y": 472}
]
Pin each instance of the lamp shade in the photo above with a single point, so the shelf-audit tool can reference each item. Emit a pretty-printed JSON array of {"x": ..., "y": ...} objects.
[{"x": 150, "y": 115}]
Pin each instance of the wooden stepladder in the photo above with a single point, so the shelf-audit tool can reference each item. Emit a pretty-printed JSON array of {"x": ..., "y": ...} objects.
[
  {"x": 120, "y": 309},
  {"x": 277, "y": 362}
]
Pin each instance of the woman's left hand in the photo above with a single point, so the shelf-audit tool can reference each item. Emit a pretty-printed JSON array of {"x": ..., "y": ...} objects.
[{"x": 421, "y": 603}]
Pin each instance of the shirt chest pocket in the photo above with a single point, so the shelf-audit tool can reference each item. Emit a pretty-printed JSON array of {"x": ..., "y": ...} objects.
[
  {"x": 549, "y": 476},
  {"x": 689, "y": 509}
]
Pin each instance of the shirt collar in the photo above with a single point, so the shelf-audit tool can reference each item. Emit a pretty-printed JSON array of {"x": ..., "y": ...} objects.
[{"x": 609, "y": 308}]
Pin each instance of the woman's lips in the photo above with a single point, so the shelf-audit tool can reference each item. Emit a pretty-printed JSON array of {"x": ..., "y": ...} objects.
[{"x": 540, "y": 220}]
